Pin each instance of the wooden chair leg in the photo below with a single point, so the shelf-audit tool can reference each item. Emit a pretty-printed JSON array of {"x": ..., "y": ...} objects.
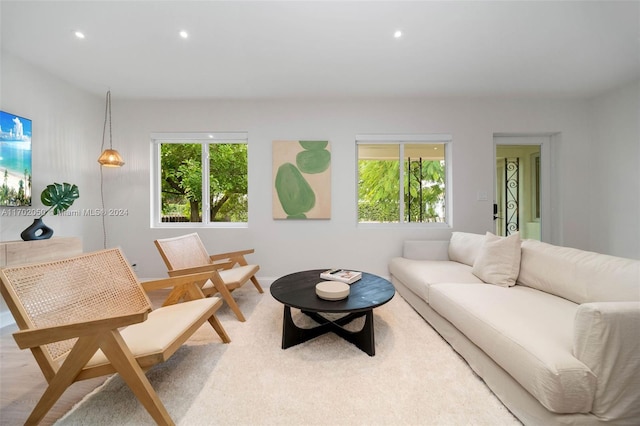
[
  {"x": 81, "y": 353},
  {"x": 226, "y": 295},
  {"x": 193, "y": 291},
  {"x": 123, "y": 361},
  {"x": 175, "y": 295},
  {"x": 217, "y": 326},
  {"x": 255, "y": 282}
]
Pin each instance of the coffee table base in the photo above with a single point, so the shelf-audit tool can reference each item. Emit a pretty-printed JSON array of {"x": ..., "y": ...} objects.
[{"x": 364, "y": 339}]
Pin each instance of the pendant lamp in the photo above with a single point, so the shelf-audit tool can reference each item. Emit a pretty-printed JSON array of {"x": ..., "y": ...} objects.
[{"x": 109, "y": 157}]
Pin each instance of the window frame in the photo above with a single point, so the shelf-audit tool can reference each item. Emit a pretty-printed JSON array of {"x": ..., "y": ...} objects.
[
  {"x": 401, "y": 140},
  {"x": 204, "y": 139}
]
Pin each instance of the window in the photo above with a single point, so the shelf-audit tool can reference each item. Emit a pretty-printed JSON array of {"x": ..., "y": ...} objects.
[
  {"x": 200, "y": 179},
  {"x": 402, "y": 179}
]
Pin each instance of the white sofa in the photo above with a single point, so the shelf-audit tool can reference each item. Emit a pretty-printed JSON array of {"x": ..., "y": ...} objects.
[{"x": 553, "y": 331}]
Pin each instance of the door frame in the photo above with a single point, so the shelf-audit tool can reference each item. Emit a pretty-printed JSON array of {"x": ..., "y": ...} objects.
[{"x": 544, "y": 141}]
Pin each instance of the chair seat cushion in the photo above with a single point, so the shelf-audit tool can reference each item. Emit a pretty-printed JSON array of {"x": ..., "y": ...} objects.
[
  {"x": 233, "y": 278},
  {"x": 163, "y": 327},
  {"x": 419, "y": 275},
  {"x": 238, "y": 275}
]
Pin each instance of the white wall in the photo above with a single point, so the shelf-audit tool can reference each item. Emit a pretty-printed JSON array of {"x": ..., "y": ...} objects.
[
  {"x": 68, "y": 128},
  {"x": 286, "y": 246},
  {"x": 614, "y": 198},
  {"x": 67, "y": 132}
]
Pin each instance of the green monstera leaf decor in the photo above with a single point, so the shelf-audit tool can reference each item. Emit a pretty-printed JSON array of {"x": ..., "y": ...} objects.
[{"x": 59, "y": 197}]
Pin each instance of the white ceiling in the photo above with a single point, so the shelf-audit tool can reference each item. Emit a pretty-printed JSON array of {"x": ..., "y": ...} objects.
[{"x": 266, "y": 49}]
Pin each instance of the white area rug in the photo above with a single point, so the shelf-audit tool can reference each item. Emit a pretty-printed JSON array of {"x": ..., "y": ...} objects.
[{"x": 415, "y": 378}]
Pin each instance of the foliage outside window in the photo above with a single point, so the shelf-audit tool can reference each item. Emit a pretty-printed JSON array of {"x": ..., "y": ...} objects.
[
  {"x": 391, "y": 190},
  {"x": 203, "y": 182}
]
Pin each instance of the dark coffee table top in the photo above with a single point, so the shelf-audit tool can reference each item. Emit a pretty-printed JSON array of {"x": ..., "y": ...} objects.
[{"x": 298, "y": 290}]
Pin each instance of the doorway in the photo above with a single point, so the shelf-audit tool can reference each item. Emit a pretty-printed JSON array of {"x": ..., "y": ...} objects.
[{"x": 521, "y": 186}]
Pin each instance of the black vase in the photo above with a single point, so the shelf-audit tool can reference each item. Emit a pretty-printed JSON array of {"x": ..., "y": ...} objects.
[{"x": 37, "y": 231}]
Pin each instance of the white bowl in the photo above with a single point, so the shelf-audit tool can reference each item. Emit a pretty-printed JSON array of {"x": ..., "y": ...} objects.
[{"x": 332, "y": 290}]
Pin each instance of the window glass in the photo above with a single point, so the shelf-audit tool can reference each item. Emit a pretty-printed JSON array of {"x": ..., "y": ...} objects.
[
  {"x": 424, "y": 183},
  {"x": 181, "y": 182},
  {"x": 378, "y": 183},
  {"x": 401, "y": 182},
  {"x": 228, "y": 182},
  {"x": 200, "y": 182}
]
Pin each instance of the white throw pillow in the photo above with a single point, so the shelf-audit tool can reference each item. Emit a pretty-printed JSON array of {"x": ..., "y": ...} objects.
[{"x": 499, "y": 260}]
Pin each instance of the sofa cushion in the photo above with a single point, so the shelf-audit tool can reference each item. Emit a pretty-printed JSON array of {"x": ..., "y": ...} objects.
[
  {"x": 528, "y": 333},
  {"x": 464, "y": 247},
  {"x": 498, "y": 261},
  {"x": 578, "y": 275},
  {"x": 418, "y": 275}
]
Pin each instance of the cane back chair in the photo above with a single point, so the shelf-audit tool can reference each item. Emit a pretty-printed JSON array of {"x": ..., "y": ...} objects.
[
  {"x": 187, "y": 254},
  {"x": 71, "y": 314}
]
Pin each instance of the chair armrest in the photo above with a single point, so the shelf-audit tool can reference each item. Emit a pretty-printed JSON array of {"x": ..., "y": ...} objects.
[
  {"x": 606, "y": 341},
  {"x": 181, "y": 277},
  {"x": 229, "y": 259},
  {"x": 233, "y": 256},
  {"x": 42, "y": 336},
  {"x": 230, "y": 255},
  {"x": 425, "y": 250}
]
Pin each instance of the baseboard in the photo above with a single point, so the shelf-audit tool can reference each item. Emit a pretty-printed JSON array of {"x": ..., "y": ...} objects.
[{"x": 266, "y": 281}]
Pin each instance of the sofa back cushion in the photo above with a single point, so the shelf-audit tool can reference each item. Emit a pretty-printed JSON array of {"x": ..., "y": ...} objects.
[
  {"x": 578, "y": 275},
  {"x": 425, "y": 250},
  {"x": 464, "y": 247}
]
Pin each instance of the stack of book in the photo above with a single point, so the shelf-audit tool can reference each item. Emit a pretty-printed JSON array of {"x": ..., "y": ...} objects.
[{"x": 341, "y": 275}]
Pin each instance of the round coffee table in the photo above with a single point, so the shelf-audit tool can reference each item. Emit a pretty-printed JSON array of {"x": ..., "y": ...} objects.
[{"x": 297, "y": 290}]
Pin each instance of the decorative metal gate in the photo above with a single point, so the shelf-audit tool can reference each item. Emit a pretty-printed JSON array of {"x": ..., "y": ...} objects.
[
  {"x": 415, "y": 172},
  {"x": 512, "y": 191}
]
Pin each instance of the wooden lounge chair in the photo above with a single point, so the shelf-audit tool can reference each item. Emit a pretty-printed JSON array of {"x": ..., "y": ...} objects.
[
  {"x": 187, "y": 254},
  {"x": 71, "y": 314}
]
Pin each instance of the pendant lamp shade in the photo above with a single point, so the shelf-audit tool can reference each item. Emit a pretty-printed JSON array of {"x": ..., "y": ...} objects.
[{"x": 109, "y": 157}]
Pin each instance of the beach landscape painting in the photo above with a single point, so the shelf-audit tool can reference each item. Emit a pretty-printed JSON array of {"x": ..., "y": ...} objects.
[{"x": 15, "y": 160}]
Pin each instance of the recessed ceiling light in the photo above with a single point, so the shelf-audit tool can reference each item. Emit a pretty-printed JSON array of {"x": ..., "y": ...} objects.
[
  {"x": 184, "y": 34},
  {"x": 79, "y": 34},
  {"x": 397, "y": 34}
]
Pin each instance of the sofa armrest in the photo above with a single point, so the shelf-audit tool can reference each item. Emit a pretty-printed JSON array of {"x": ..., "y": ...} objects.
[
  {"x": 426, "y": 250},
  {"x": 606, "y": 340}
]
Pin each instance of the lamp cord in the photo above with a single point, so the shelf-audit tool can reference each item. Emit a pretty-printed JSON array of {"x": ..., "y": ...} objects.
[
  {"x": 107, "y": 114},
  {"x": 104, "y": 226}
]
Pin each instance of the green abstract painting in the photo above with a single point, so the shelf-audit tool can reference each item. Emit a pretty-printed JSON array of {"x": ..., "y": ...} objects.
[{"x": 301, "y": 180}]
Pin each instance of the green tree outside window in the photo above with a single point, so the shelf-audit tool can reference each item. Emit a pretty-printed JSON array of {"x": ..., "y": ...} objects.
[{"x": 181, "y": 182}]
